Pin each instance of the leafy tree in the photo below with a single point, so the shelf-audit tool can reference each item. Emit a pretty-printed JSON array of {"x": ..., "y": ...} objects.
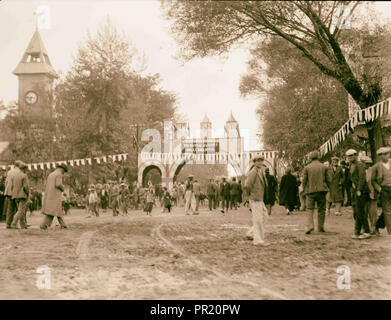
[
  {"x": 299, "y": 105},
  {"x": 315, "y": 28},
  {"x": 98, "y": 100}
]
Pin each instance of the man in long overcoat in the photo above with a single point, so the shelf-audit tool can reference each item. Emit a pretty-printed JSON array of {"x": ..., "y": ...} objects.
[
  {"x": 52, "y": 201},
  {"x": 288, "y": 191},
  {"x": 270, "y": 192},
  {"x": 336, "y": 185}
]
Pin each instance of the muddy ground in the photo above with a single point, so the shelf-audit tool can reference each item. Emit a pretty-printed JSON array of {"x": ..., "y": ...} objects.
[{"x": 192, "y": 257}]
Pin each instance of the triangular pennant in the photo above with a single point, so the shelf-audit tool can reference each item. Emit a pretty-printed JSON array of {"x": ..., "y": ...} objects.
[
  {"x": 89, "y": 161},
  {"x": 83, "y": 162},
  {"x": 71, "y": 162},
  {"x": 97, "y": 160}
]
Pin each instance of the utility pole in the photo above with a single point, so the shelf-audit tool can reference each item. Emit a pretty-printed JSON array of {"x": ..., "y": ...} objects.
[{"x": 136, "y": 141}]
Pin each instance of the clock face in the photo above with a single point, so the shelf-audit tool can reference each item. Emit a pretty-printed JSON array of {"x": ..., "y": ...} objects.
[{"x": 31, "y": 97}]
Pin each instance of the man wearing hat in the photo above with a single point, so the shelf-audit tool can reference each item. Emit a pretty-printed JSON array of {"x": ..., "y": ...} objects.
[
  {"x": 360, "y": 192},
  {"x": 336, "y": 189},
  {"x": 316, "y": 182},
  {"x": 381, "y": 180},
  {"x": 9, "y": 204},
  {"x": 189, "y": 195},
  {"x": 2, "y": 188},
  {"x": 255, "y": 187},
  {"x": 347, "y": 183},
  {"x": 52, "y": 201},
  {"x": 20, "y": 193},
  {"x": 225, "y": 193},
  {"x": 211, "y": 191}
]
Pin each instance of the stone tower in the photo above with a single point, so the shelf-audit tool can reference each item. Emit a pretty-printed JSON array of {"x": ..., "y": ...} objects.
[
  {"x": 35, "y": 74},
  {"x": 231, "y": 128},
  {"x": 206, "y": 128}
]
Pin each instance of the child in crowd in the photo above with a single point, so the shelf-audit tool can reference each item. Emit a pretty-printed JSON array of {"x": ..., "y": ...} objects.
[
  {"x": 92, "y": 201},
  {"x": 166, "y": 200},
  {"x": 124, "y": 196},
  {"x": 150, "y": 198}
]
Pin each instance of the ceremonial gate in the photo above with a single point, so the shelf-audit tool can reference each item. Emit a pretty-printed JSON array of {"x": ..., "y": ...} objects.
[{"x": 204, "y": 150}]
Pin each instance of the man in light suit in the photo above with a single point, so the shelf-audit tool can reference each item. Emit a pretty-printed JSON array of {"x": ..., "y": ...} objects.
[
  {"x": 255, "y": 187},
  {"x": 20, "y": 193},
  {"x": 9, "y": 204}
]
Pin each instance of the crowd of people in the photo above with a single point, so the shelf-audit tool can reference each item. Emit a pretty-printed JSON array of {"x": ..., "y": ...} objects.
[{"x": 350, "y": 181}]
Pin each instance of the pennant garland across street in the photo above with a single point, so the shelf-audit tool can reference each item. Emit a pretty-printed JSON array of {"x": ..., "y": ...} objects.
[
  {"x": 365, "y": 115},
  {"x": 72, "y": 163}
]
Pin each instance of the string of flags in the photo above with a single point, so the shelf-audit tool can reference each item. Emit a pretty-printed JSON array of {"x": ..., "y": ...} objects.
[
  {"x": 72, "y": 163},
  {"x": 362, "y": 116}
]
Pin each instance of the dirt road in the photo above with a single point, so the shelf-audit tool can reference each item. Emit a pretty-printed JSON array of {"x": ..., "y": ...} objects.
[{"x": 191, "y": 257}]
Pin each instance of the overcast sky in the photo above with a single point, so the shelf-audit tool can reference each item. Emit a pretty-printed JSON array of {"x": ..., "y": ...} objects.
[{"x": 203, "y": 86}]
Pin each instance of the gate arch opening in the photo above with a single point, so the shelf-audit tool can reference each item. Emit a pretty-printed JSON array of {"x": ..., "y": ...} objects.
[{"x": 148, "y": 175}]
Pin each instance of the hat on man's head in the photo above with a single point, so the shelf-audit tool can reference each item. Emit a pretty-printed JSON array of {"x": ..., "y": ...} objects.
[
  {"x": 351, "y": 152},
  {"x": 383, "y": 150},
  {"x": 366, "y": 159},
  {"x": 258, "y": 157},
  {"x": 22, "y": 165},
  {"x": 18, "y": 163},
  {"x": 334, "y": 158},
  {"x": 314, "y": 155},
  {"x": 63, "y": 166}
]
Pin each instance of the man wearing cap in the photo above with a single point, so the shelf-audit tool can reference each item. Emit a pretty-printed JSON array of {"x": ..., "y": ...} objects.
[
  {"x": 52, "y": 201},
  {"x": 9, "y": 204},
  {"x": 316, "y": 182},
  {"x": 381, "y": 180},
  {"x": 20, "y": 193},
  {"x": 255, "y": 186},
  {"x": 360, "y": 193}
]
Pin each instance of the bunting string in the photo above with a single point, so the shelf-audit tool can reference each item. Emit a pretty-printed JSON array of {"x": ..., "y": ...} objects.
[
  {"x": 365, "y": 115},
  {"x": 73, "y": 162}
]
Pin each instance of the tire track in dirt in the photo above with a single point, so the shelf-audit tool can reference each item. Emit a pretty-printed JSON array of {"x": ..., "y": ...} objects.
[{"x": 194, "y": 262}]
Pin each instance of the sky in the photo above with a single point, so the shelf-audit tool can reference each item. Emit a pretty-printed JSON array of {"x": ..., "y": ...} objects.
[{"x": 203, "y": 86}]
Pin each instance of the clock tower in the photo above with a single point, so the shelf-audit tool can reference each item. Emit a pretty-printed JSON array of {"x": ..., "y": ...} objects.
[{"x": 35, "y": 74}]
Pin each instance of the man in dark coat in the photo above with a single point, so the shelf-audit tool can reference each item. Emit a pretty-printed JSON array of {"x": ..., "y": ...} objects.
[
  {"x": 211, "y": 193},
  {"x": 225, "y": 192},
  {"x": 336, "y": 189},
  {"x": 2, "y": 196},
  {"x": 234, "y": 194},
  {"x": 288, "y": 191},
  {"x": 347, "y": 183},
  {"x": 270, "y": 195}
]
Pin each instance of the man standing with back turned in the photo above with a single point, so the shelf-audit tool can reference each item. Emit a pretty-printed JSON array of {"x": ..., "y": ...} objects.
[
  {"x": 52, "y": 206},
  {"x": 316, "y": 182},
  {"x": 255, "y": 188}
]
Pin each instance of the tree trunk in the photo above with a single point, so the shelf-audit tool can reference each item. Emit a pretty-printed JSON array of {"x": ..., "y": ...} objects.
[{"x": 375, "y": 136}]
